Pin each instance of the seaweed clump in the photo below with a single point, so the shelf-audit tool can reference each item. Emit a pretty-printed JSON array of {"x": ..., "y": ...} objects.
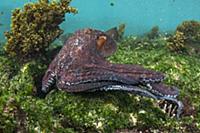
[
  {"x": 186, "y": 38},
  {"x": 35, "y": 27},
  {"x": 176, "y": 43},
  {"x": 117, "y": 33},
  {"x": 154, "y": 33}
]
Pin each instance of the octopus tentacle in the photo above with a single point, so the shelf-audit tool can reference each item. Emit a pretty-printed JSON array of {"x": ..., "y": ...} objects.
[
  {"x": 50, "y": 76},
  {"x": 135, "y": 72},
  {"x": 131, "y": 89}
]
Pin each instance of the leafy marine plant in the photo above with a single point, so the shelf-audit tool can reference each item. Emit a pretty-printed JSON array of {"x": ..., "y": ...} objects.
[
  {"x": 191, "y": 30},
  {"x": 186, "y": 38},
  {"x": 176, "y": 43},
  {"x": 35, "y": 27},
  {"x": 153, "y": 33}
]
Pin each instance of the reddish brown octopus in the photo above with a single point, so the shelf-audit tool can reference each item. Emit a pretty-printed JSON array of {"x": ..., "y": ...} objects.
[{"x": 81, "y": 66}]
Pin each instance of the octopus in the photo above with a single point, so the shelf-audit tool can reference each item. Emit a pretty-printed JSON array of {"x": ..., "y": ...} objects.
[{"x": 81, "y": 66}]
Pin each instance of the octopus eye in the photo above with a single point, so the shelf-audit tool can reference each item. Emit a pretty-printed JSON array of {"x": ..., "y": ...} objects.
[{"x": 101, "y": 41}]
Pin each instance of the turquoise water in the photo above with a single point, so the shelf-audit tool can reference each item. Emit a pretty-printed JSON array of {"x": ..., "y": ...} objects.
[{"x": 138, "y": 15}]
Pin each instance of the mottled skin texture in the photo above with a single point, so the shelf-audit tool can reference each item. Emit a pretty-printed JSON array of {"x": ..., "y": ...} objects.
[{"x": 81, "y": 66}]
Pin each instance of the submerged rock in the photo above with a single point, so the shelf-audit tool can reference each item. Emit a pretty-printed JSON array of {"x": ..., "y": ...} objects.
[
  {"x": 21, "y": 110},
  {"x": 98, "y": 111}
]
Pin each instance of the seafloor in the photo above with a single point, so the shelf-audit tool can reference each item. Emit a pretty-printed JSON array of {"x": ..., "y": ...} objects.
[{"x": 23, "y": 110}]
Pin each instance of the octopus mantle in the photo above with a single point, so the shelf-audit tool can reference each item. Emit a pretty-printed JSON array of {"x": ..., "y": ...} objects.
[{"x": 81, "y": 66}]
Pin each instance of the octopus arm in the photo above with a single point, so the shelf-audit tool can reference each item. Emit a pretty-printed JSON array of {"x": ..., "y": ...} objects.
[{"x": 50, "y": 76}]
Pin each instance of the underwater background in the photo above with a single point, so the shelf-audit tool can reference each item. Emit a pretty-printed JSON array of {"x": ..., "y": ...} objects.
[
  {"x": 138, "y": 15},
  {"x": 161, "y": 35}
]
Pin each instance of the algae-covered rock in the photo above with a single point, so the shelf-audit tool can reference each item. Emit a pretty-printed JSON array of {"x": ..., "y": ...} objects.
[
  {"x": 35, "y": 27},
  {"x": 21, "y": 110},
  {"x": 12, "y": 83},
  {"x": 61, "y": 111}
]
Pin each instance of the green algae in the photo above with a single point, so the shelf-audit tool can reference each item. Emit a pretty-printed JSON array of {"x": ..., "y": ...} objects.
[{"x": 23, "y": 111}]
